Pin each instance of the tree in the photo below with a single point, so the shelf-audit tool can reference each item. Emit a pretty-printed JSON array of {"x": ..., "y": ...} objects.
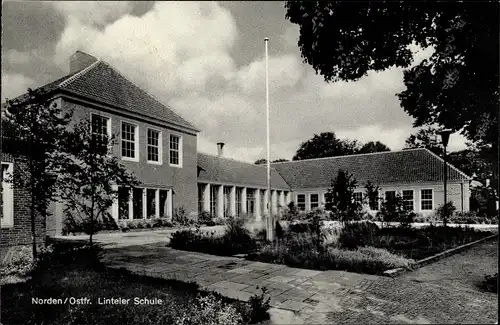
[
  {"x": 263, "y": 161},
  {"x": 371, "y": 147},
  {"x": 455, "y": 88},
  {"x": 371, "y": 191},
  {"x": 425, "y": 138},
  {"x": 324, "y": 145},
  {"x": 339, "y": 198},
  {"x": 39, "y": 127},
  {"x": 88, "y": 182}
]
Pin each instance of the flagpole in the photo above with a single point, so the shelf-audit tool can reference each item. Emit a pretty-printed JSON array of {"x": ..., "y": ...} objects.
[{"x": 270, "y": 225}]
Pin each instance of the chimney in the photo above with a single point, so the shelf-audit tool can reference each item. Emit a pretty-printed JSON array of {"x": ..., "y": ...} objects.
[
  {"x": 220, "y": 149},
  {"x": 80, "y": 61}
]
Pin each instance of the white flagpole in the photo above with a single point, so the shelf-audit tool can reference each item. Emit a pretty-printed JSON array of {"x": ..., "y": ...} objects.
[{"x": 270, "y": 224}]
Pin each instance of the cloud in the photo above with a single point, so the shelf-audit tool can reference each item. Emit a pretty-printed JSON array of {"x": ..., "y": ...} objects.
[
  {"x": 284, "y": 72},
  {"x": 97, "y": 13},
  {"x": 14, "y": 84}
]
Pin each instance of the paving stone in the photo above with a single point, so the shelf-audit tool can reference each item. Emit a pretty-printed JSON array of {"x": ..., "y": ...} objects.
[
  {"x": 307, "y": 273},
  {"x": 230, "y": 285},
  {"x": 231, "y": 293},
  {"x": 240, "y": 270},
  {"x": 280, "y": 279},
  {"x": 298, "y": 293},
  {"x": 292, "y": 305}
]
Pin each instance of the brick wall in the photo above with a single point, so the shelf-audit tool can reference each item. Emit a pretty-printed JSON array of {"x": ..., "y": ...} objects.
[{"x": 20, "y": 232}]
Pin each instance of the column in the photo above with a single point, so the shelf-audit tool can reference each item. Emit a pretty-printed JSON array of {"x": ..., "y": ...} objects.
[
  {"x": 144, "y": 203},
  {"x": 131, "y": 205},
  {"x": 220, "y": 201},
  {"x": 232, "y": 201},
  {"x": 274, "y": 200},
  {"x": 114, "y": 206},
  {"x": 258, "y": 216},
  {"x": 266, "y": 202},
  {"x": 157, "y": 203},
  {"x": 169, "y": 204},
  {"x": 281, "y": 201},
  {"x": 244, "y": 200},
  {"x": 206, "y": 198}
]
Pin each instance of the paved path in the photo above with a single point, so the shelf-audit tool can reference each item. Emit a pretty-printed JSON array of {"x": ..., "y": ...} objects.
[
  {"x": 313, "y": 297},
  {"x": 465, "y": 270}
]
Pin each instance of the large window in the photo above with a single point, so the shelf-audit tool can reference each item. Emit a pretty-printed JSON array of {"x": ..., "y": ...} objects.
[
  {"x": 227, "y": 200},
  {"x": 147, "y": 203},
  {"x": 100, "y": 129},
  {"x": 213, "y": 200},
  {"x": 201, "y": 197},
  {"x": 154, "y": 146},
  {"x": 151, "y": 203},
  {"x": 426, "y": 199},
  {"x": 250, "y": 201},
  {"x": 301, "y": 202},
  {"x": 408, "y": 200},
  {"x": 374, "y": 202},
  {"x": 7, "y": 217},
  {"x": 123, "y": 203},
  {"x": 314, "y": 201},
  {"x": 358, "y": 197},
  {"x": 263, "y": 202},
  {"x": 129, "y": 141},
  {"x": 238, "y": 200},
  {"x": 175, "y": 150},
  {"x": 137, "y": 203}
]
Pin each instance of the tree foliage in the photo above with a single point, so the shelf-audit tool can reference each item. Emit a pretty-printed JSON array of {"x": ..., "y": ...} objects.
[
  {"x": 326, "y": 144},
  {"x": 371, "y": 147},
  {"x": 425, "y": 138},
  {"x": 371, "y": 191},
  {"x": 88, "y": 183},
  {"x": 37, "y": 127},
  {"x": 339, "y": 198},
  {"x": 263, "y": 161},
  {"x": 456, "y": 87}
]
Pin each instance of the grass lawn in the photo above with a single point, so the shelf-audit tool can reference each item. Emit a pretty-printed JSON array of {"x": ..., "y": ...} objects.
[{"x": 86, "y": 286}]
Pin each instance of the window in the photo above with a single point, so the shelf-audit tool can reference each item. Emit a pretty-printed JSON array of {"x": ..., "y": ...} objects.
[
  {"x": 390, "y": 195},
  {"x": 7, "y": 217},
  {"x": 301, "y": 202},
  {"x": 426, "y": 199},
  {"x": 262, "y": 202},
  {"x": 151, "y": 203},
  {"x": 175, "y": 150},
  {"x": 238, "y": 201},
  {"x": 137, "y": 202},
  {"x": 227, "y": 196},
  {"x": 250, "y": 201},
  {"x": 408, "y": 200},
  {"x": 129, "y": 141},
  {"x": 101, "y": 132},
  {"x": 213, "y": 200},
  {"x": 314, "y": 201},
  {"x": 358, "y": 197},
  {"x": 154, "y": 146},
  {"x": 164, "y": 204},
  {"x": 123, "y": 203},
  {"x": 374, "y": 202},
  {"x": 201, "y": 197}
]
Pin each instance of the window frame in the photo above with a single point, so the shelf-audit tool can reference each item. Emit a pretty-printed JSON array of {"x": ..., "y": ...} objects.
[
  {"x": 422, "y": 200},
  {"x": 108, "y": 123},
  {"x": 298, "y": 203},
  {"x": 311, "y": 201},
  {"x": 136, "y": 141},
  {"x": 160, "y": 147},
  {"x": 405, "y": 200},
  {"x": 354, "y": 197},
  {"x": 7, "y": 220},
  {"x": 179, "y": 150}
]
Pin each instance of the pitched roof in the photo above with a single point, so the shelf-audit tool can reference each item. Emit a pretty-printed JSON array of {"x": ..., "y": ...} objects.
[
  {"x": 406, "y": 166},
  {"x": 103, "y": 83},
  {"x": 225, "y": 170}
]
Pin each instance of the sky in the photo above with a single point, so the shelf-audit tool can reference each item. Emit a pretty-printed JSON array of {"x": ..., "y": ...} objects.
[{"x": 206, "y": 60}]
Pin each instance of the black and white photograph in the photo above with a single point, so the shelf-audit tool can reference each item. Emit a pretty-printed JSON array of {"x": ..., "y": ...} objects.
[{"x": 249, "y": 162}]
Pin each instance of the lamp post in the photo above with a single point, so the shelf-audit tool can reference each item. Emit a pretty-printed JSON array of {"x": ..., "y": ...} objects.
[{"x": 445, "y": 137}]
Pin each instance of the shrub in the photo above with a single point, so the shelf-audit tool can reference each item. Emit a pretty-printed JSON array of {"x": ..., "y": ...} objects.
[
  {"x": 259, "y": 306},
  {"x": 140, "y": 225},
  {"x": 279, "y": 230},
  {"x": 210, "y": 310},
  {"x": 180, "y": 217},
  {"x": 291, "y": 212},
  {"x": 357, "y": 234},
  {"x": 490, "y": 283},
  {"x": 446, "y": 211},
  {"x": 205, "y": 218},
  {"x": 19, "y": 263}
]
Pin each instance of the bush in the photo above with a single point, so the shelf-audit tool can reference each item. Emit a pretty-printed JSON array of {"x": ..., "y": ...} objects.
[
  {"x": 259, "y": 306},
  {"x": 279, "y": 230},
  {"x": 180, "y": 217},
  {"x": 20, "y": 262},
  {"x": 212, "y": 311},
  {"x": 205, "y": 218},
  {"x": 446, "y": 211},
  {"x": 363, "y": 260},
  {"x": 490, "y": 283},
  {"x": 356, "y": 234}
]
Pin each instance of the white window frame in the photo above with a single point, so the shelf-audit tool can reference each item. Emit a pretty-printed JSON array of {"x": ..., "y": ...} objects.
[
  {"x": 108, "y": 127},
  {"x": 160, "y": 147},
  {"x": 136, "y": 141},
  {"x": 180, "y": 151},
  {"x": 422, "y": 200},
  {"x": 310, "y": 201},
  {"x": 305, "y": 201},
  {"x": 7, "y": 196},
  {"x": 412, "y": 200}
]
